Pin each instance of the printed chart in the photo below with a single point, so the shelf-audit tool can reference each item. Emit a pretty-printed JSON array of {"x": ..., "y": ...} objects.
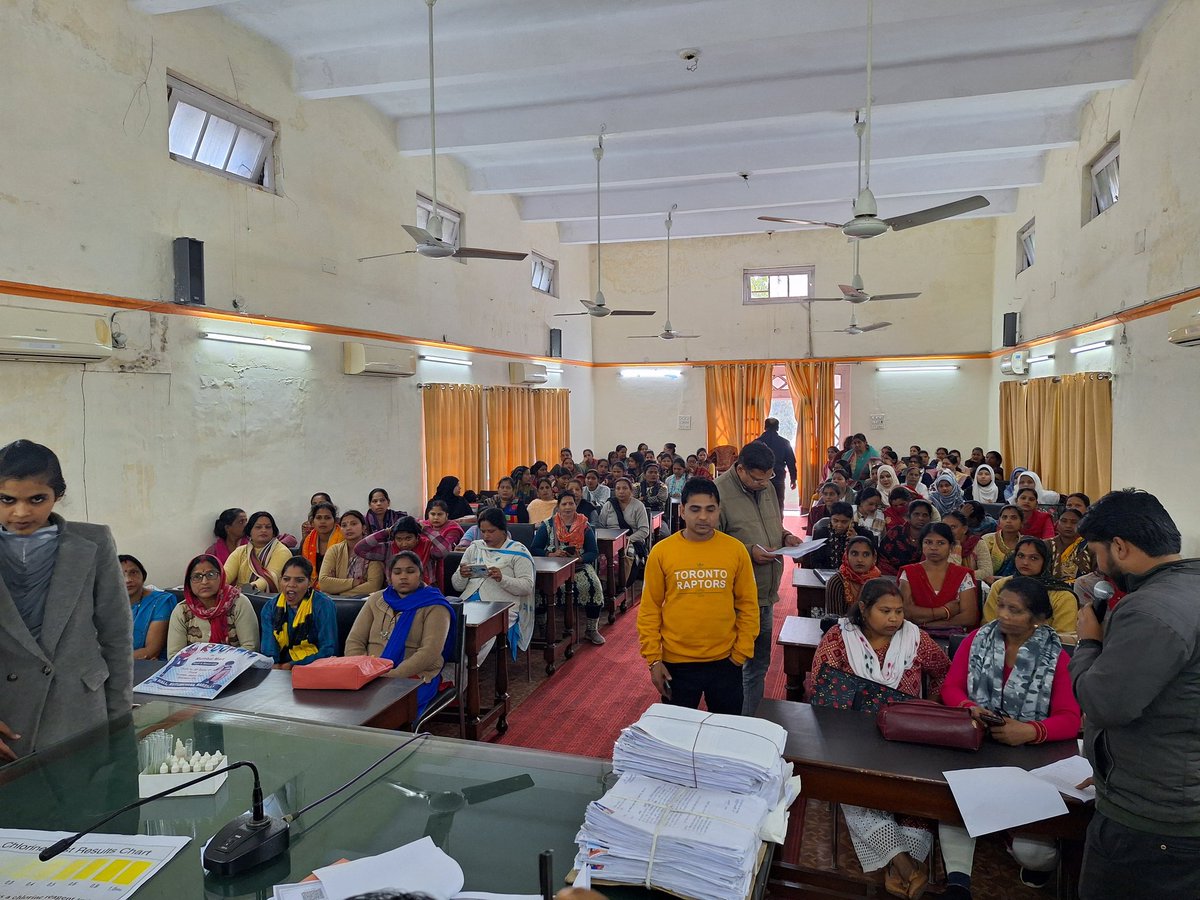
[{"x": 98, "y": 866}]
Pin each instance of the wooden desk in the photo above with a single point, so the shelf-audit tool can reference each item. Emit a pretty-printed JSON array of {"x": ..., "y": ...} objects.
[
  {"x": 810, "y": 591},
  {"x": 384, "y": 703},
  {"x": 675, "y": 522},
  {"x": 486, "y": 620},
  {"x": 656, "y": 520},
  {"x": 551, "y": 573},
  {"x": 612, "y": 543},
  {"x": 799, "y": 638}
]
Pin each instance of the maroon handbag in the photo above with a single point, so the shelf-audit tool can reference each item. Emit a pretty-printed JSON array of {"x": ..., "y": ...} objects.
[{"x": 926, "y": 722}]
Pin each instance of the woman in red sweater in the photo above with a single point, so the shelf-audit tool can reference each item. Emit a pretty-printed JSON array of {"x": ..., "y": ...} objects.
[
  {"x": 1012, "y": 675},
  {"x": 1037, "y": 524}
]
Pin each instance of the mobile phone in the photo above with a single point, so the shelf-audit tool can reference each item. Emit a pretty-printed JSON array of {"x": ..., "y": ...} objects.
[
  {"x": 478, "y": 571},
  {"x": 991, "y": 718}
]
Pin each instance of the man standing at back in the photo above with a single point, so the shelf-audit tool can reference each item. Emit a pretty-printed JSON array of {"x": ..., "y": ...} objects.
[
  {"x": 1137, "y": 679},
  {"x": 750, "y": 513},
  {"x": 699, "y": 612},
  {"x": 785, "y": 458}
]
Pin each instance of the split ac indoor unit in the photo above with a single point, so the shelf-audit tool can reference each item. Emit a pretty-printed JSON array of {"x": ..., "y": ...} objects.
[
  {"x": 1184, "y": 323},
  {"x": 526, "y": 373},
  {"x": 53, "y": 336},
  {"x": 1016, "y": 363},
  {"x": 373, "y": 359}
]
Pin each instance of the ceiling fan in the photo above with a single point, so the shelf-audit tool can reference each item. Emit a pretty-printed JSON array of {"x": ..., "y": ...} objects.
[
  {"x": 854, "y": 292},
  {"x": 444, "y": 804},
  {"x": 866, "y": 222},
  {"x": 597, "y": 307},
  {"x": 855, "y": 328},
  {"x": 668, "y": 333},
  {"x": 429, "y": 239}
]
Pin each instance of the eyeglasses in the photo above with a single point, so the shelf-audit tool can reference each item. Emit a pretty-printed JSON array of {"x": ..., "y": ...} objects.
[{"x": 204, "y": 576}]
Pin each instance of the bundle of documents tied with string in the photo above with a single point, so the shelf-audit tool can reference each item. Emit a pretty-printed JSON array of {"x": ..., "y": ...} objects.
[{"x": 698, "y": 794}]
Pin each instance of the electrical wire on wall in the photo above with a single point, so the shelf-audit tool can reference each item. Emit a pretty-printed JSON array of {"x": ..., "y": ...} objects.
[{"x": 83, "y": 398}]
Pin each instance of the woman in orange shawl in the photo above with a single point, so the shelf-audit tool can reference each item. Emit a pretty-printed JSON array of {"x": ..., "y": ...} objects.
[
  {"x": 858, "y": 567},
  {"x": 323, "y": 533}
]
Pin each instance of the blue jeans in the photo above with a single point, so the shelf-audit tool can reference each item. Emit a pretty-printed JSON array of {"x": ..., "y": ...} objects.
[{"x": 754, "y": 671}]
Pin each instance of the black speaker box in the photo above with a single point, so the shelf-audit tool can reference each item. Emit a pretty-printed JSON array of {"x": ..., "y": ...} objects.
[
  {"x": 1011, "y": 338},
  {"x": 189, "y": 271},
  {"x": 556, "y": 343}
]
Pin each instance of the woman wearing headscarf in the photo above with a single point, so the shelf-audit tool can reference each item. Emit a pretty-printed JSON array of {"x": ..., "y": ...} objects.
[
  {"x": 886, "y": 480},
  {"x": 300, "y": 625},
  {"x": 509, "y": 577},
  {"x": 1031, "y": 479},
  {"x": 409, "y": 623},
  {"x": 259, "y": 562},
  {"x": 946, "y": 495},
  {"x": 982, "y": 486},
  {"x": 1032, "y": 559},
  {"x": 212, "y": 612},
  {"x": 449, "y": 491},
  {"x": 1013, "y": 668},
  {"x": 407, "y": 534},
  {"x": 859, "y": 566},
  {"x": 1010, "y": 490}
]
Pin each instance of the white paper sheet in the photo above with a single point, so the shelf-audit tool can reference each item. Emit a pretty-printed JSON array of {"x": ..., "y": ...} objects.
[
  {"x": 201, "y": 671},
  {"x": 420, "y": 866},
  {"x": 1065, "y": 774},
  {"x": 993, "y": 799},
  {"x": 797, "y": 552}
]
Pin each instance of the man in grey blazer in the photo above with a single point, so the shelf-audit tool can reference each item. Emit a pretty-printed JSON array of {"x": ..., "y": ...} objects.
[{"x": 66, "y": 636}]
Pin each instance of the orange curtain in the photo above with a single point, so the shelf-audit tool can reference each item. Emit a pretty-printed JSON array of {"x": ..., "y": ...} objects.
[
  {"x": 1060, "y": 428},
  {"x": 551, "y": 423},
  {"x": 510, "y": 431},
  {"x": 811, "y": 387},
  {"x": 454, "y": 434},
  {"x": 737, "y": 399}
]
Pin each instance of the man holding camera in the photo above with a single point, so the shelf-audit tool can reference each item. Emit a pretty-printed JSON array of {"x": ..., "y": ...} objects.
[{"x": 1137, "y": 678}]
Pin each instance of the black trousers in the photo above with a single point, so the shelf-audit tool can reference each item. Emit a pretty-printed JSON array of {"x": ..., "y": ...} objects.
[
  {"x": 1122, "y": 863},
  {"x": 720, "y": 683},
  {"x": 780, "y": 485}
]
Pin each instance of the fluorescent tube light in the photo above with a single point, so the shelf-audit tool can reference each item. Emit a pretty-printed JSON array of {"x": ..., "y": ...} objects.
[
  {"x": 555, "y": 370},
  {"x": 1034, "y": 359},
  {"x": 650, "y": 373},
  {"x": 448, "y": 360},
  {"x": 258, "y": 342},
  {"x": 1096, "y": 346},
  {"x": 916, "y": 368}
]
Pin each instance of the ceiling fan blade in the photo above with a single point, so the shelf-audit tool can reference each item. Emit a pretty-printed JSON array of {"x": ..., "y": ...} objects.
[
  {"x": 478, "y": 793},
  {"x": 896, "y": 296},
  {"x": 799, "y": 221},
  {"x": 874, "y": 327},
  {"x": 437, "y": 826},
  {"x": 824, "y": 299},
  {"x": 478, "y": 253},
  {"x": 633, "y": 312},
  {"x": 420, "y": 235},
  {"x": 684, "y": 337},
  {"x": 559, "y": 315},
  {"x": 937, "y": 213},
  {"x": 849, "y": 292},
  {"x": 651, "y": 336},
  {"x": 385, "y": 255}
]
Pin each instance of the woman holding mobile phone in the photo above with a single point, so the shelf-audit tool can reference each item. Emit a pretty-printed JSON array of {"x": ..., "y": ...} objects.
[{"x": 495, "y": 567}]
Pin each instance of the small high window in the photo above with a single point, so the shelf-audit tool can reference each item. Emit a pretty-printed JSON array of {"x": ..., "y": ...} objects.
[
  {"x": 1025, "y": 247},
  {"x": 545, "y": 271},
  {"x": 783, "y": 285},
  {"x": 1105, "y": 172},
  {"x": 214, "y": 134},
  {"x": 451, "y": 219}
]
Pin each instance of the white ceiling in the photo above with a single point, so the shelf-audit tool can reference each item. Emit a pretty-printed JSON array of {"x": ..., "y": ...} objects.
[{"x": 969, "y": 96}]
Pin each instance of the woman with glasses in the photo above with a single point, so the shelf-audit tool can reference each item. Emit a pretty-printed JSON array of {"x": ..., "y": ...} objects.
[{"x": 211, "y": 611}]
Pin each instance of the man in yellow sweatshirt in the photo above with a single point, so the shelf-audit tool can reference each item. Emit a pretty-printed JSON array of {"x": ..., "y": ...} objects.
[{"x": 699, "y": 612}]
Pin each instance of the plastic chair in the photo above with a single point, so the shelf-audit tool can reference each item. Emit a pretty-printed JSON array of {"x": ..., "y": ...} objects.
[
  {"x": 453, "y": 694},
  {"x": 723, "y": 456}
]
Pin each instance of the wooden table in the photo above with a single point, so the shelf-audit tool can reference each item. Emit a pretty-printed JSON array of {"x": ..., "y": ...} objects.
[
  {"x": 384, "y": 703},
  {"x": 656, "y": 520},
  {"x": 676, "y": 522},
  {"x": 799, "y": 638},
  {"x": 486, "y": 620},
  {"x": 841, "y": 757},
  {"x": 612, "y": 543},
  {"x": 810, "y": 590},
  {"x": 551, "y": 573}
]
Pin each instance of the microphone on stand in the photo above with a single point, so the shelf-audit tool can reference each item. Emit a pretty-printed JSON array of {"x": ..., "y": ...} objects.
[{"x": 248, "y": 841}]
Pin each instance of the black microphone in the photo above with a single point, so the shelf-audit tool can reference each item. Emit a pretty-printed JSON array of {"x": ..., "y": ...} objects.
[
  {"x": 249, "y": 840},
  {"x": 1102, "y": 592},
  {"x": 546, "y": 874}
]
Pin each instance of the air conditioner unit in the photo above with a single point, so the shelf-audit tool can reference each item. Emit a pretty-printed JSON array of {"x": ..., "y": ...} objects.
[
  {"x": 52, "y": 336},
  {"x": 526, "y": 373},
  {"x": 372, "y": 359},
  {"x": 1184, "y": 323},
  {"x": 1015, "y": 363}
]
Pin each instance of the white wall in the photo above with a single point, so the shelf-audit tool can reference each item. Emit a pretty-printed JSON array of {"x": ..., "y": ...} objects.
[{"x": 632, "y": 410}]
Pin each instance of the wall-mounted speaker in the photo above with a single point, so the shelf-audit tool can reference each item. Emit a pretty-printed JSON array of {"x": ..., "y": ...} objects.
[
  {"x": 556, "y": 343},
  {"x": 189, "y": 271},
  {"x": 1011, "y": 324}
]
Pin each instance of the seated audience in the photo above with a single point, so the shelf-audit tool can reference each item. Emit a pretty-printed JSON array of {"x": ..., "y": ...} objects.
[
  {"x": 886, "y": 480},
  {"x": 230, "y": 533},
  {"x": 344, "y": 572},
  {"x": 982, "y": 485},
  {"x": 566, "y": 463},
  {"x": 1037, "y": 523},
  {"x": 300, "y": 625},
  {"x": 1012, "y": 669},
  {"x": 1031, "y": 559},
  {"x": 623, "y": 510},
  {"x": 543, "y": 507},
  {"x": 306, "y": 526},
  {"x": 380, "y": 515},
  {"x": 1081, "y": 503},
  {"x": 212, "y": 612},
  {"x": 976, "y": 459},
  {"x": 913, "y": 480},
  {"x": 935, "y": 591},
  {"x": 977, "y": 518},
  {"x": 838, "y": 477},
  {"x": 946, "y": 495},
  {"x": 594, "y": 491},
  {"x": 258, "y": 563},
  {"x": 869, "y": 513},
  {"x": 1010, "y": 490},
  {"x": 568, "y": 534},
  {"x": 967, "y": 550},
  {"x": 408, "y": 623},
  {"x": 151, "y": 610},
  {"x": 588, "y": 461},
  {"x": 652, "y": 491},
  {"x": 859, "y": 456},
  {"x": 1072, "y": 557},
  {"x": 1002, "y": 542},
  {"x": 678, "y": 478},
  {"x": 323, "y": 533},
  {"x": 509, "y": 578},
  {"x": 996, "y": 461},
  {"x": 538, "y": 471},
  {"x": 901, "y": 546},
  {"x": 524, "y": 485},
  {"x": 829, "y": 494},
  {"x": 1029, "y": 479},
  {"x": 875, "y": 643},
  {"x": 449, "y": 491},
  {"x": 836, "y": 530},
  {"x": 507, "y": 501},
  {"x": 832, "y": 455},
  {"x": 896, "y": 513},
  {"x": 705, "y": 466},
  {"x": 438, "y": 521},
  {"x": 407, "y": 534},
  {"x": 857, "y": 568}
]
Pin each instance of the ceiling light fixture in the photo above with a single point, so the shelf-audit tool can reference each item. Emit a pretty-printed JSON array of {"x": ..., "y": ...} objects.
[
  {"x": 554, "y": 370},
  {"x": 258, "y": 342},
  {"x": 650, "y": 373},
  {"x": 448, "y": 360},
  {"x": 916, "y": 369},
  {"x": 1034, "y": 359},
  {"x": 1096, "y": 346}
]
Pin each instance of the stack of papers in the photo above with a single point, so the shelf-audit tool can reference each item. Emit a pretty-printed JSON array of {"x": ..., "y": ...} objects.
[
  {"x": 420, "y": 867},
  {"x": 697, "y": 749},
  {"x": 693, "y": 842}
]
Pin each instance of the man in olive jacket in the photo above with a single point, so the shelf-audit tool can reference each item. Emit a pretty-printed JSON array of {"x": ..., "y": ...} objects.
[
  {"x": 1137, "y": 679},
  {"x": 750, "y": 513}
]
